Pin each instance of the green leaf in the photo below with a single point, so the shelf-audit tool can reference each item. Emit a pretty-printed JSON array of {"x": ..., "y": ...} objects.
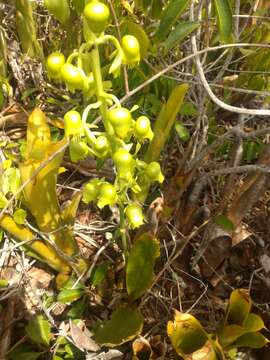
[
  {"x": 229, "y": 334},
  {"x": 224, "y": 222},
  {"x": 19, "y": 216},
  {"x": 124, "y": 325},
  {"x": 186, "y": 333},
  {"x": 39, "y": 330},
  {"x": 3, "y": 283},
  {"x": 178, "y": 34},
  {"x": 251, "y": 340},
  {"x": 224, "y": 19},
  {"x": 188, "y": 109},
  {"x": 140, "y": 265},
  {"x": 68, "y": 296},
  {"x": 239, "y": 307},
  {"x": 169, "y": 16},
  {"x": 165, "y": 122},
  {"x": 182, "y": 131},
  {"x": 99, "y": 273},
  {"x": 3, "y": 200},
  {"x": 131, "y": 28},
  {"x": 253, "y": 323},
  {"x": 25, "y": 355}
]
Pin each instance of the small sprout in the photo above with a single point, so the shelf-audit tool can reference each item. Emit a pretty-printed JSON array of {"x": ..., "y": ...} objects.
[
  {"x": 54, "y": 63},
  {"x": 73, "y": 123},
  {"x": 131, "y": 49},
  {"x": 153, "y": 172},
  {"x": 121, "y": 121},
  {"x": 97, "y": 15},
  {"x": 74, "y": 77},
  {"x": 91, "y": 191},
  {"x": 134, "y": 215},
  {"x": 107, "y": 195},
  {"x": 143, "y": 128}
]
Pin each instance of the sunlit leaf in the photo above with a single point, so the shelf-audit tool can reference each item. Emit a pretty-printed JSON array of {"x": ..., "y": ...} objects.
[
  {"x": 169, "y": 16},
  {"x": 19, "y": 216},
  {"x": 251, "y": 340},
  {"x": 39, "y": 330},
  {"x": 239, "y": 307},
  {"x": 178, "y": 34},
  {"x": 224, "y": 18},
  {"x": 229, "y": 334},
  {"x": 140, "y": 266},
  {"x": 253, "y": 323},
  {"x": 124, "y": 325},
  {"x": 186, "y": 333}
]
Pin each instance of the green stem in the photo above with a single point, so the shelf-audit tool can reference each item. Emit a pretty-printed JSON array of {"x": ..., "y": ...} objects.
[
  {"x": 123, "y": 231},
  {"x": 94, "y": 54}
]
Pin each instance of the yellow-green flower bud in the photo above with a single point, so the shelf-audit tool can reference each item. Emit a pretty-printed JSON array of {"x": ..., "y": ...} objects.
[
  {"x": 74, "y": 77},
  {"x": 121, "y": 121},
  {"x": 97, "y": 15},
  {"x": 143, "y": 128},
  {"x": 107, "y": 195},
  {"x": 131, "y": 50},
  {"x": 153, "y": 172},
  {"x": 91, "y": 191},
  {"x": 124, "y": 163},
  {"x": 54, "y": 63},
  {"x": 73, "y": 123},
  {"x": 134, "y": 215},
  {"x": 102, "y": 145}
]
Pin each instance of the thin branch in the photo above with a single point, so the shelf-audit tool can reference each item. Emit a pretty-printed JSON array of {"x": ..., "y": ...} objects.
[{"x": 262, "y": 112}]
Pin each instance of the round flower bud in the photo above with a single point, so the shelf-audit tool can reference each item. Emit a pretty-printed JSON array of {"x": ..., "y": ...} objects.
[
  {"x": 131, "y": 49},
  {"x": 73, "y": 123},
  {"x": 121, "y": 121},
  {"x": 123, "y": 160},
  {"x": 91, "y": 191},
  {"x": 107, "y": 195},
  {"x": 134, "y": 215},
  {"x": 74, "y": 77},
  {"x": 153, "y": 172},
  {"x": 143, "y": 128},
  {"x": 54, "y": 63},
  {"x": 96, "y": 14}
]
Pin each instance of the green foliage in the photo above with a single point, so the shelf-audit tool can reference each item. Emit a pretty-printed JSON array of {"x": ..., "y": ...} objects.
[
  {"x": 169, "y": 16},
  {"x": 140, "y": 265},
  {"x": 224, "y": 19},
  {"x": 240, "y": 329},
  {"x": 125, "y": 324},
  {"x": 39, "y": 330},
  {"x": 178, "y": 34}
]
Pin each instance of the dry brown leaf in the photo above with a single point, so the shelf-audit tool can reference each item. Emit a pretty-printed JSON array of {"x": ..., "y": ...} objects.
[{"x": 82, "y": 337}]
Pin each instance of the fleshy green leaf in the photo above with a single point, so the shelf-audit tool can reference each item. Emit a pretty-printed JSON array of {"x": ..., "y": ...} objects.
[
  {"x": 239, "y": 307},
  {"x": 99, "y": 273},
  {"x": 124, "y": 325},
  {"x": 169, "y": 16},
  {"x": 251, "y": 340},
  {"x": 67, "y": 296},
  {"x": 224, "y": 222},
  {"x": 19, "y": 216},
  {"x": 253, "y": 323},
  {"x": 178, "y": 34},
  {"x": 39, "y": 330},
  {"x": 140, "y": 265},
  {"x": 186, "y": 333},
  {"x": 224, "y": 19},
  {"x": 229, "y": 334},
  {"x": 182, "y": 131}
]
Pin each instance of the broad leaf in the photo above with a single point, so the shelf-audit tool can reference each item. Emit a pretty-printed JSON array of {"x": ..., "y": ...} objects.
[
  {"x": 124, "y": 325},
  {"x": 39, "y": 330},
  {"x": 186, "y": 334},
  {"x": 169, "y": 16},
  {"x": 251, "y": 340},
  {"x": 229, "y": 334},
  {"x": 224, "y": 19},
  {"x": 140, "y": 265},
  {"x": 178, "y": 34},
  {"x": 239, "y": 307},
  {"x": 253, "y": 323}
]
